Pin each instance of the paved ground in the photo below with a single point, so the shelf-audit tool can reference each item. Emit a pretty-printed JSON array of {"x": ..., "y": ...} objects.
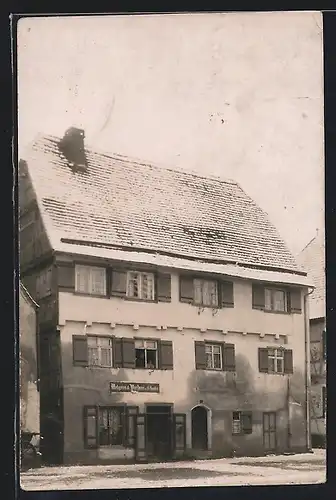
[{"x": 281, "y": 469}]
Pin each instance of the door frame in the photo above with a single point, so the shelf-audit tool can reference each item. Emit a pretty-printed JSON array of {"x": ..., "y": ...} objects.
[
  {"x": 209, "y": 426},
  {"x": 268, "y": 413}
]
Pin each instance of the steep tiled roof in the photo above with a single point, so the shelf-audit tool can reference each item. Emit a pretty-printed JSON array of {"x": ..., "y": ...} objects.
[
  {"x": 312, "y": 260},
  {"x": 123, "y": 203}
]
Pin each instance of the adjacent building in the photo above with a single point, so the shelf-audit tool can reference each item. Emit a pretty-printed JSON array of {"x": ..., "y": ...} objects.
[
  {"x": 172, "y": 315},
  {"x": 312, "y": 258},
  {"x": 29, "y": 386}
]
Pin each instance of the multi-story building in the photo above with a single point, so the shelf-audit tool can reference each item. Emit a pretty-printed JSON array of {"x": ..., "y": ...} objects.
[
  {"x": 312, "y": 258},
  {"x": 172, "y": 315}
]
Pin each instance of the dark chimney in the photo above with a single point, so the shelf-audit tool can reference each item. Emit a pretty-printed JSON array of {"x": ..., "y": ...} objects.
[{"x": 72, "y": 147}]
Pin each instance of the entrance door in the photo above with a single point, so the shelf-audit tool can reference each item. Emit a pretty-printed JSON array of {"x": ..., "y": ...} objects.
[
  {"x": 269, "y": 430},
  {"x": 199, "y": 428},
  {"x": 159, "y": 432}
]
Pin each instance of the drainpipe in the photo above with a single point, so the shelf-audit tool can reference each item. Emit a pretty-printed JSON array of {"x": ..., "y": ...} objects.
[{"x": 307, "y": 365}]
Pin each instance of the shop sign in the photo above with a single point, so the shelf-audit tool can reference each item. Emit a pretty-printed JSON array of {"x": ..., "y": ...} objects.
[{"x": 133, "y": 387}]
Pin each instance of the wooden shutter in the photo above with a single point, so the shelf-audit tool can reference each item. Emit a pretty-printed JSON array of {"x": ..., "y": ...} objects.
[
  {"x": 200, "y": 360},
  {"x": 117, "y": 352},
  {"x": 229, "y": 361},
  {"x": 128, "y": 353},
  {"x": 324, "y": 344},
  {"x": 258, "y": 296},
  {"x": 119, "y": 283},
  {"x": 324, "y": 401},
  {"x": 166, "y": 355},
  {"x": 131, "y": 412},
  {"x": 288, "y": 361},
  {"x": 80, "y": 350},
  {"x": 66, "y": 276},
  {"x": 263, "y": 359},
  {"x": 186, "y": 289},
  {"x": 246, "y": 422},
  {"x": 227, "y": 294},
  {"x": 164, "y": 287},
  {"x": 90, "y": 426},
  {"x": 295, "y": 300}
]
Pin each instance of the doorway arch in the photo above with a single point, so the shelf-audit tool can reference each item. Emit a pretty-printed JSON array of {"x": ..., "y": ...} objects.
[{"x": 200, "y": 435}]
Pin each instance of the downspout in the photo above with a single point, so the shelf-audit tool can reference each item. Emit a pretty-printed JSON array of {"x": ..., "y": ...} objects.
[{"x": 307, "y": 366}]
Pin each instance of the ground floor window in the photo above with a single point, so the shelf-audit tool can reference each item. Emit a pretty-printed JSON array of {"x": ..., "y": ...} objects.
[
  {"x": 109, "y": 426},
  {"x": 241, "y": 422}
]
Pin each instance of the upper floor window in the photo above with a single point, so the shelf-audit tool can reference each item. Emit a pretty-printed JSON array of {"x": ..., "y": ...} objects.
[
  {"x": 140, "y": 285},
  {"x": 276, "y": 300},
  {"x": 213, "y": 354},
  {"x": 90, "y": 280},
  {"x": 146, "y": 354},
  {"x": 275, "y": 360},
  {"x": 99, "y": 351},
  {"x": 205, "y": 292}
]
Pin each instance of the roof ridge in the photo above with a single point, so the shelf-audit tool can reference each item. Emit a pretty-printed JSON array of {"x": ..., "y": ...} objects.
[{"x": 131, "y": 159}]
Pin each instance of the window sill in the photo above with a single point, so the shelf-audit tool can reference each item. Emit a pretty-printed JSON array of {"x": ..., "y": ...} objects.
[
  {"x": 201, "y": 306},
  {"x": 96, "y": 295},
  {"x": 276, "y": 373},
  {"x": 100, "y": 366},
  {"x": 268, "y": 311},
  {"x": 136, "y": 299}
]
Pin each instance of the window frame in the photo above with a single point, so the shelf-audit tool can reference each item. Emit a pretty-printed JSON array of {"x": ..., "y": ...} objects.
[
  {"x": 275, "y": 356},
  {"x": 242, "y": 431},
  {"x": 141, "y": 275},
  {"x": 98, "y": 337},
  {"x": 157, "y": 367},
  {"x": 212, "y": 345},
  {"x": 202, "y": 281},
  {"x": 272, "y": 291},
  {"x": 123, "y": 413},
  {"x": 90, "y": 267}
]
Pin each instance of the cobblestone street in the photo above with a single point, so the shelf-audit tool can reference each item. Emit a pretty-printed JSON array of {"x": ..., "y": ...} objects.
[{"x": 285, "y": 469}]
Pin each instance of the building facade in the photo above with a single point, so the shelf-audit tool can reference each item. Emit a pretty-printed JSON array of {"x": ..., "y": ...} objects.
[
  {"x": 29, "y": 389},
  {"x": 172, "y": 316},
  {"x": 312, "y": 259}
]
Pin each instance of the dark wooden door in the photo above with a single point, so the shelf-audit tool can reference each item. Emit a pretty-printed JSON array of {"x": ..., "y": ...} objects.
[
  {"x": 199, "y": 428},
  {"x": 269, "y": 431}
]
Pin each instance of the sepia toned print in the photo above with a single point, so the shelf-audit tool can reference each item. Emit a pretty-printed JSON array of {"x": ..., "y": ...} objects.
[{"x": 163, "y": 250}]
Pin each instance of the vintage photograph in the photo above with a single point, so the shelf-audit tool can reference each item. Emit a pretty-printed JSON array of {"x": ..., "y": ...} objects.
[{"x": 172, "y": 318}]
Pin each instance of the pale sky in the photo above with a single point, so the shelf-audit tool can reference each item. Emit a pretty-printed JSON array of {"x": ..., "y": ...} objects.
[{"x": 237, "y": 95}]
